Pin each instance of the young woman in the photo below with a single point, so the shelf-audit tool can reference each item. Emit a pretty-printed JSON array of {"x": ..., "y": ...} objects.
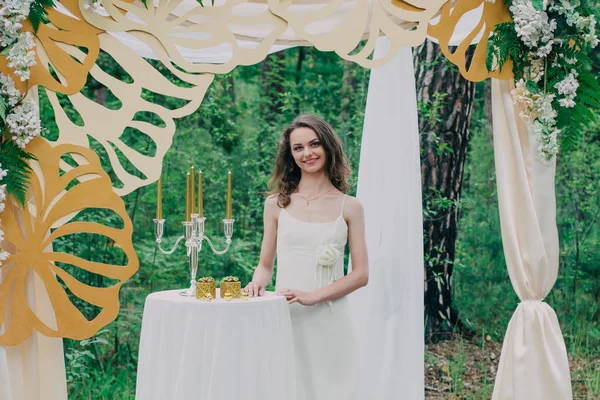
[{"x": 308, "y": 219}]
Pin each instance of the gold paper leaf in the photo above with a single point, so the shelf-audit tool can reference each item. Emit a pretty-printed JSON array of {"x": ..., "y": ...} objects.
[
  {"x": 493, "y": 13},
  {"x": 54, "y": 197},
  {"x": 62, "y": 32}
]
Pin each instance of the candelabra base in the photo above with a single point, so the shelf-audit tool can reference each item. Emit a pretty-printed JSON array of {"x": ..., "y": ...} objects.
[{"x": 191, "y": 291}]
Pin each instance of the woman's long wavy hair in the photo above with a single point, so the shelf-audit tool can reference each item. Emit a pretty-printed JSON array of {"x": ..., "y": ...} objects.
[{"x": 287, "y": 174}]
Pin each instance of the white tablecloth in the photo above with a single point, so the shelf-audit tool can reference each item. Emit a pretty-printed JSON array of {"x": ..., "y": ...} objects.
[{"x": 191, "y": 349}]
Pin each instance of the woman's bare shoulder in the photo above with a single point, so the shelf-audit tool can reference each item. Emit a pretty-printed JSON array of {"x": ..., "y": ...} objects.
[
  {"x": 271, "y": 200},
  {"x": 353, "y": 208},
  {"x": 271, "y": 206}
]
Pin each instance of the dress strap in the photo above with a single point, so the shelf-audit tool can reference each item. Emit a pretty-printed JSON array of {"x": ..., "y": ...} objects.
[{"x": 343, "y": 202}]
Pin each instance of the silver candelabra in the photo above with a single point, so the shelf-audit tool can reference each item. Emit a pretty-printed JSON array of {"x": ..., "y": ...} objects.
[{"x": 193, "y": 233}]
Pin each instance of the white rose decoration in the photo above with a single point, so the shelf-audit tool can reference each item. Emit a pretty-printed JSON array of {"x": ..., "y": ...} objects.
[{"x": 327, "y": 255}]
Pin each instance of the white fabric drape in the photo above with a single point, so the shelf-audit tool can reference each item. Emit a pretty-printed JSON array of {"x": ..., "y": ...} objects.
[
  {"x": 388, "y": 312},
  {"x": 534, "y": 363}
]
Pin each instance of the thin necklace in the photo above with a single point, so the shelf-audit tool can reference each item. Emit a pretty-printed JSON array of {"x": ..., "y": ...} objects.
[{"x": 308, "y": 200}]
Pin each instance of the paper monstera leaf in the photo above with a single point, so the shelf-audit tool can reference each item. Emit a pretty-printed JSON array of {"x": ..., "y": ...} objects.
[
  {"x": 472, "y": 68},
  {"x": 55, "y": 197},
  {"x": 67, "y": 29},
  {"x": 107, "y": 126},
  {"x": 174, "y": 30},
  {"x": 342, "y": 26}
]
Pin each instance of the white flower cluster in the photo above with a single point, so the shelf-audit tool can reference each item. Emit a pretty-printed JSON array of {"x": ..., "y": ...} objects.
[
  {"x": 95, "y": 6},
  {"x": 586, "y": 26},
  {"x": 538, "y": 109},
  {"x": 536, "y": 68},
  {"x": 536, "y": 106},
  {"x": 12, "y": 13},
  {"x": 568, "y": 88},
  {"x": 536, "y": 29},
  {"x": 23, "y": 123},
  {"x": 22, "y": 118},
  {"x": 21, "y": 55},
  {"x": 20, "y": 44},
  {"x": 533, "y": 27}
]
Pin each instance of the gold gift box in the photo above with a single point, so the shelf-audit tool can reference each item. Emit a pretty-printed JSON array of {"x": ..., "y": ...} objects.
[
  {"x": 231, "y": 287},
  {"x": 206, "y": 288}
]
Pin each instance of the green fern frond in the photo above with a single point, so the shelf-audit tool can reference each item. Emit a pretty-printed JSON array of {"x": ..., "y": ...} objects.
[
  {"x": 588, "y": 92},
  {"x": 14, "y": 159},
  {"x": 38, "y": 13},
  {"x": 502, "y": 45}
]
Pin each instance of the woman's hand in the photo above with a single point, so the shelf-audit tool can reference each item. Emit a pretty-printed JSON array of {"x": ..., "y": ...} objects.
[
  {"x": 254, "y": 289},
  {"x": 298, "y": 296}
]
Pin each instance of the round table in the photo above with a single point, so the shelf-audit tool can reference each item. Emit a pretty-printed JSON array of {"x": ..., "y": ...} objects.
[{"x": 218, "y": 350}]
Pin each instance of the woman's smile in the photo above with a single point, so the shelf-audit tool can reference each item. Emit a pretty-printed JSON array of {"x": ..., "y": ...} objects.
[{"x": 312, "y": 161}]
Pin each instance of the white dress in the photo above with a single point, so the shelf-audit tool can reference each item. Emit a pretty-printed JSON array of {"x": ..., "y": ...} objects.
[{"x": 326, "y": 352}]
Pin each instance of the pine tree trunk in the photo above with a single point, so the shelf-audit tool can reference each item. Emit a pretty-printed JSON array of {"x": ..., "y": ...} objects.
[{"x": 445, "y": 101}]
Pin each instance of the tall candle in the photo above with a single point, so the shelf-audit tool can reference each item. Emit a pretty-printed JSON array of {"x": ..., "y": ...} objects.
[
  {"x": 193, "y": 196},
  {"x": 159, "y": 199},
  {"x": 200, "y": 204},
  {"x": 187, "y": 198},
  {"x": 228, "y": 209}
]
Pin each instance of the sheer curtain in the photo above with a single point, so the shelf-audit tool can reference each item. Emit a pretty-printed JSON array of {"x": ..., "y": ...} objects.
[{"x": 388, "y": 312}]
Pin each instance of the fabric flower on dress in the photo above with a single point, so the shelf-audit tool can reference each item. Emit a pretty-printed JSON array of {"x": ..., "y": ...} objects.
[{"x": 327, "y": 256}]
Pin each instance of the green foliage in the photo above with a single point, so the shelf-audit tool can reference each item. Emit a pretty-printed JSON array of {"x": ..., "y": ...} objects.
[
  {"x": 14, "y": 159},
  {"x": 3, "y": 110},
  {"x": 574, "y": 121},
  {"x": 38, "y": 13},
  {"x": 216, "y": 115},
  {"x": 503, "y": 45},
  {"x": 538, "y": 4},
  {"x": 569, "y": 54}
]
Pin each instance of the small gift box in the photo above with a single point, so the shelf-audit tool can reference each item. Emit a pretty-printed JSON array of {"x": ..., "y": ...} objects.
[
  {"x": 206, "y": 288},
  {"x": 231, "y": 287}
]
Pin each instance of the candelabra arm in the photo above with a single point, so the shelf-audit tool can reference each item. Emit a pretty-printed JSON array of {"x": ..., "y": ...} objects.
[
  {"x": 218, "y": 252},
  {"x": 158, "y": 242}
]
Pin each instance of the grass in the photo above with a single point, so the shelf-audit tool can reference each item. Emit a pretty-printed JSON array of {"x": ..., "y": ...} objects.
[{"x": 465, "y": 369}]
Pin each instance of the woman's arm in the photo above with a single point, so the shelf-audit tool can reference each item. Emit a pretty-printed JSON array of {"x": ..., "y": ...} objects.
[
  {"x": 358, "y": 277},
  {"x": 264, "y": 271}
]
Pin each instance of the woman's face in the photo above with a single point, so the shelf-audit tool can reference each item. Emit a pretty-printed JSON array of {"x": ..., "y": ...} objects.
[{"x": 307, "y": 150}]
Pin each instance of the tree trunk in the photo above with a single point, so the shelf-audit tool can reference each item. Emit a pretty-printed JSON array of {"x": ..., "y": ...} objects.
[
  {"x": 445, "y": 101},
  {"x": 299, "y": 78}
]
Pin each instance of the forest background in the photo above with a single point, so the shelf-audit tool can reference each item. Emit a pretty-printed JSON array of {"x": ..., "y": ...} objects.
[{"x": 237, "y": 128}]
